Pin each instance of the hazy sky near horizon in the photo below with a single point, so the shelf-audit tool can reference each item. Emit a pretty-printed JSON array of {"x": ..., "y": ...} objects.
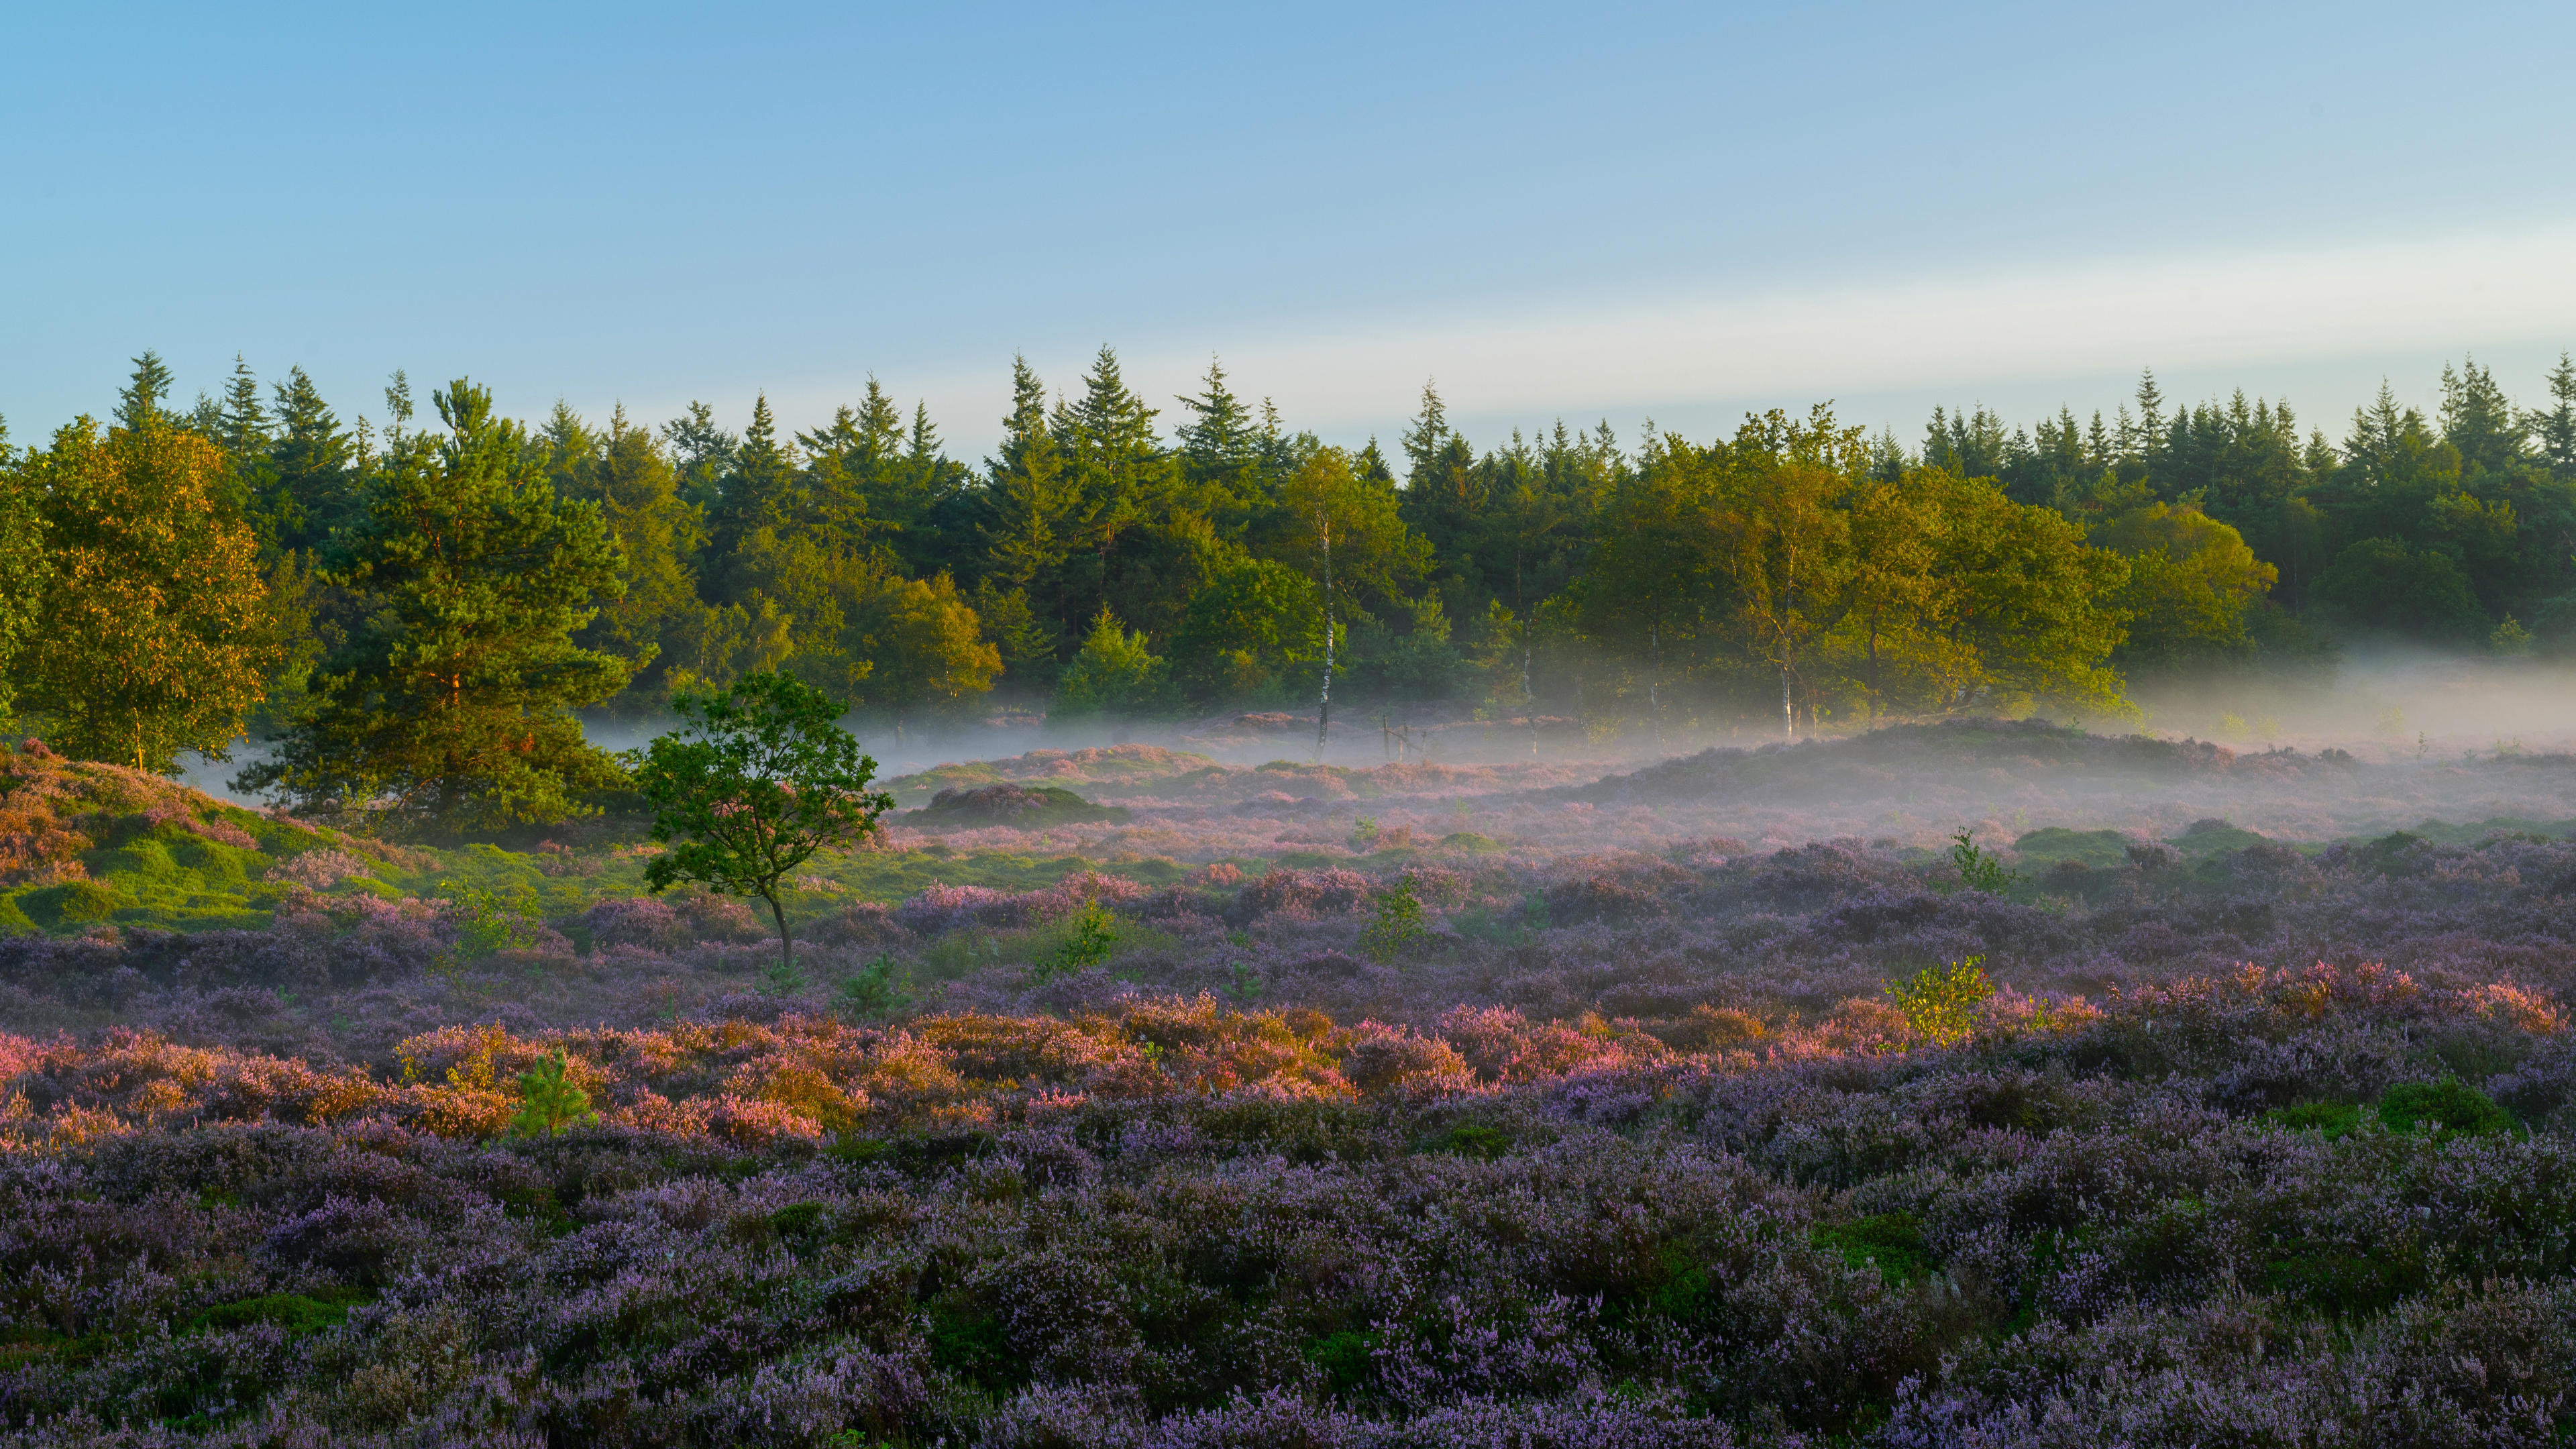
[{"x": 1621, "y": 211}]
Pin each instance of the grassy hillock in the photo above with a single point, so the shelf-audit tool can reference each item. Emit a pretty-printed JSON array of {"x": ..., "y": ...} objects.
[{"x": 84, "y": 844}]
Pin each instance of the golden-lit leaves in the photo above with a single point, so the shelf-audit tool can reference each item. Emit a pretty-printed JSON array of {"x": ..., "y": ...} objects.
[{"x": 152, "y": 638}]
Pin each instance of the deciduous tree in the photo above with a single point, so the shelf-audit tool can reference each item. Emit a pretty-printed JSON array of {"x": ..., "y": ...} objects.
[
  {"x": 758, "y": 780},
  {"x": 151, "y": 637}
]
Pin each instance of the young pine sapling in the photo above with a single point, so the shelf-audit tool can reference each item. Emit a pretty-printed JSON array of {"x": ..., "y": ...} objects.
[{"x": 549, "y": 1100}]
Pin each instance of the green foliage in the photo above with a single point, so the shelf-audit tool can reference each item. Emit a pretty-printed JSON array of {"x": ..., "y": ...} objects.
[
  {"x": 2381, "y": 584},
  {"x": 1893, "y": 1242},
  {"x": 2334, "y": 1120},
  {"x": 449, "y": 706},
  {"x": 299, "y": 1315},
  {"x": 1473, "y": 1140},
  {"x": 488, "y": 922},
  {"x": 445, "y": 601},
  {"x": 2193, "y": 586},
  {"x": 72, "y": 903},
  {"x": 1113, "y": 676},
  {"x": 1396, "y": 926},
  {"x": 878, "y": 989},
  {"x": 26, "y": 566},
  {"x": 1346, "y": 1359},
  {"x": 1246, "y": 629},
  {"x": 152, "y": 631},
  {"x": 1091, "y": 939},
  {"x": 2447, "y": 1106},
  {"x": 549, "y": 1100},
  {"x": 1940, "y": 1002},
  {"x": 1979, "y": 871},
  {"x": 758, "y": 780},
  {"x": 796, "y": 1219}
]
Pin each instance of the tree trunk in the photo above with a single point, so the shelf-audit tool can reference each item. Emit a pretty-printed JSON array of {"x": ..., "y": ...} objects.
[{"x": 786, "y": 954}]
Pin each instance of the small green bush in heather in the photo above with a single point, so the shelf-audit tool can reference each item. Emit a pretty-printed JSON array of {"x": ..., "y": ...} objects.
[
  {"x": 1940, "y": 1002},
  {"x": 1397, "y": 926},
  {"x": 2442, "y": 1107}
]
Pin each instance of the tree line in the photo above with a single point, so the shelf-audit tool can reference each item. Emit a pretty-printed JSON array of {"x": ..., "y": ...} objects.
[{"x": 413, "y": 615}]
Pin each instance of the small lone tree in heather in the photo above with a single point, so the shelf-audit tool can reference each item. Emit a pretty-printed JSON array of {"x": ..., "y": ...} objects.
[
  {"x": 549, "y": 1100},
  {"x": 759, "y": 778}
]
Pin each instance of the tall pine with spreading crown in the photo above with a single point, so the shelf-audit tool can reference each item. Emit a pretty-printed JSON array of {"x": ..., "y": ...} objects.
[{"x": 450, "y": 706}]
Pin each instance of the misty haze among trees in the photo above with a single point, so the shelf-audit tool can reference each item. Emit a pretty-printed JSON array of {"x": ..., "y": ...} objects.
[{"x": 413, "y": 608}]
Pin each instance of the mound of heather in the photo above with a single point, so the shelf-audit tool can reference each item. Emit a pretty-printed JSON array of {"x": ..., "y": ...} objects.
[{"x": 1021, "y": 807}]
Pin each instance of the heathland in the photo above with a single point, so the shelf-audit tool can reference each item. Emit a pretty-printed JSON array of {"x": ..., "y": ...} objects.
[
  {"x": 1341, "y": 962},
  {"x": 1127, "y": 1097}
]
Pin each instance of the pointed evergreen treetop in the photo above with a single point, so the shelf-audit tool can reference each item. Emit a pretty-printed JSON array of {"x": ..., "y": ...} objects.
[
  {"x": 140, "y": 400},
  {"x": 1422, "y": 440},
  {"x": 245, "y": 425},
  {"x": 2554, "y": 427}
]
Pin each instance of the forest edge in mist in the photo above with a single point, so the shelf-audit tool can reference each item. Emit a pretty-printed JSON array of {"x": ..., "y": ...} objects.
[{"x": 412, "y": 619}]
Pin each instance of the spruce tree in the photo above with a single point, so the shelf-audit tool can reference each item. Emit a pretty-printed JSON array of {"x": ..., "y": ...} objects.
[
  {"x": 140, "y": 400},
  {"x": 1424, "y": 438},
  {"x": 703, "y": 454},
  {"x": 2555, "y": 428},
  {"x": 1035, "y": 505},
  {"x": 245, "y": 425},
  {"x": 312, "y": 489},
  {"x": 758, "y": 492},
  {"x": 2478, "y": 419}
]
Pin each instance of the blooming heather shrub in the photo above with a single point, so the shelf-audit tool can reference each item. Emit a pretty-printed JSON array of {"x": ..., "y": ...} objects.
[
  {"x": 859, "y": 923},
  {"x": 713, "y": 917},
  {"x": 941, "y": 908},
  {"x": 321, "y": 869},
  {"x": 1381, "y": 1059},
  {"x": 1123, "y": 1244},
  {"x": 1332, "y": 890},
  {"x": 645, "y": 922}
]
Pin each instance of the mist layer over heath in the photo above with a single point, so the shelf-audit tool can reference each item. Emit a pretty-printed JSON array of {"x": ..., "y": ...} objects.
[{"x": 1112, "y": 572}]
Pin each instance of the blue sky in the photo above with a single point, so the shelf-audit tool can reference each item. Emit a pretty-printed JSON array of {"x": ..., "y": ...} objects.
[{"x": 1620, "y": 211}]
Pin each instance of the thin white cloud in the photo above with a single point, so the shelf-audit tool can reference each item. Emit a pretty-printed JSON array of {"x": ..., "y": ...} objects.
[{"x": 1961, "y": 334}]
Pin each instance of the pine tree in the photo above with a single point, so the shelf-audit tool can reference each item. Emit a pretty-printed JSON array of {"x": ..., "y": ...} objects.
[
  {"x": 450, "y": 706},
  {"x": 140, "y": 400}
]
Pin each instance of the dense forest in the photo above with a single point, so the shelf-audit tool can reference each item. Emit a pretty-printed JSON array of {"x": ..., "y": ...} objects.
[{"x": 414, "y": 615}]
